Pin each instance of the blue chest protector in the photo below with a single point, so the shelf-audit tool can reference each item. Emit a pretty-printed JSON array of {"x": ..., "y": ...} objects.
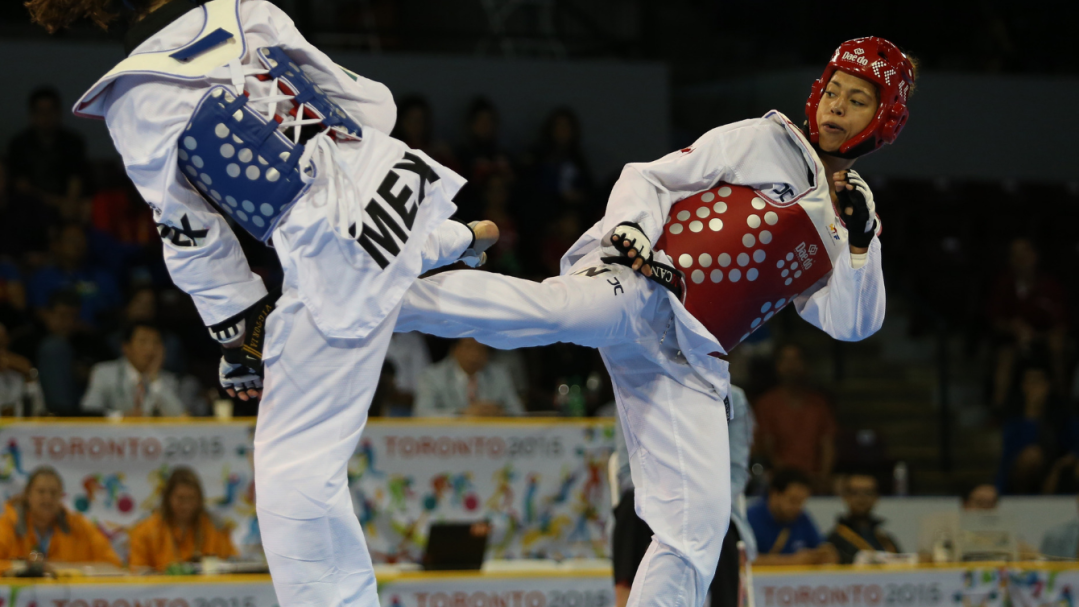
[{"x": 242, "y": 161}]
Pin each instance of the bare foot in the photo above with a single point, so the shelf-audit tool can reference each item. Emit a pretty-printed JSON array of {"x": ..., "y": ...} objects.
[{"x": 486, "y": 233}]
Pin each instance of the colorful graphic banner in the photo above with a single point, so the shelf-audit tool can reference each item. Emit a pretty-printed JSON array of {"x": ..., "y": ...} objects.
[
  {"x": 973, "y": 587},
  {"x": 114, "y": 473},
  {"x": 542, "y": 486},
  {"x": 208, "y": 594},
  {"x": 475, "y": 591}
]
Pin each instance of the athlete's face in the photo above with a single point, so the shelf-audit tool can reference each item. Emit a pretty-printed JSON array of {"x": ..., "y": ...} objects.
[{"x": 846, "y": 108}]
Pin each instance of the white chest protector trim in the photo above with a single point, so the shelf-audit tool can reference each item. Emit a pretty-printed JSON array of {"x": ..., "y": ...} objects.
[{"x": 217, "y": 15}]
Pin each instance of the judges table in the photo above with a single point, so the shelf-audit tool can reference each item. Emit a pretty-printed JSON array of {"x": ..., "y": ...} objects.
[{"x": 589, "y": 584}]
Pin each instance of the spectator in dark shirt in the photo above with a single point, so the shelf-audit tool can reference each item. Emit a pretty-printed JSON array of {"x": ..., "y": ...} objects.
[
  {"x": 560, "y": 173},
  {"x": 785, "y": 534},
  {"x": 13, "y": 313},
  {"x": 63, "y": 352},
  {"x": 795, "y": 425},
  {"x": 482, "y": 155},
  {"x": 482, "y": 158},
  {"x": 70, "y": 270},
  {"x": 1028, "y": 312},
  {"x": 416, "y": 127},
  {"x": 859, "y": 530},
  {"x": 1039, "y": 433},
  {"x": 47, "y": 162}
]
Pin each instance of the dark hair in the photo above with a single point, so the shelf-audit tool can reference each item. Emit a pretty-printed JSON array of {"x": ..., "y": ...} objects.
[
  {"x": 58, "y": 14},
  {"x": 182, "y": 475},
  {"x": 407, "y": 104},
  {"x": 131, "y": 327},
  {"x": 65, "y": 297},
  {"x": 478, "y": 106},
  {"x": 44, "y": 92},
  {"x": 562, "y": 112},
  {"x": 785, "y": 477},
  {"x": 916, "y": 68}
]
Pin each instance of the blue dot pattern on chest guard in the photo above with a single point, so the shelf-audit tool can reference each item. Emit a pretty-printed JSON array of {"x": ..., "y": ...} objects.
[{"x": 241, "y": 161}]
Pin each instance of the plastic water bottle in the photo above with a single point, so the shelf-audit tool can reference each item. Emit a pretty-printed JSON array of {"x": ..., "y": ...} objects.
[{"x": 901, "y": 480}]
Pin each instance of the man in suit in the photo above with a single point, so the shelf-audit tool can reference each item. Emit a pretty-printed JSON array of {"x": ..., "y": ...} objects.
[
  {"x": 134, "y": 384},
  {"x": 466, "y": 383}
]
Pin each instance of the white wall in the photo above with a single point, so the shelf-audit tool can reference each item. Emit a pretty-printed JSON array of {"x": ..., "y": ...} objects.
[
  {"x": 1033, "y": 516},
  {"x": 623, "y": 106}
]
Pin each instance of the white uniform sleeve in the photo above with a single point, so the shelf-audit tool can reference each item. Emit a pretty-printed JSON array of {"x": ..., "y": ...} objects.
[
  {"x": 849, "y": 303},
  {"x": 369, "y": 102},
  {"x": 645, "y": 191},
  {"x": 751, "y": 152},
  {"x": 202, "y": 254}
]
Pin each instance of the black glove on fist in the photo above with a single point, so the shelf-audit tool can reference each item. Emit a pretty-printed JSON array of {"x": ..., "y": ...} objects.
[{"x": 857, "y": 210}]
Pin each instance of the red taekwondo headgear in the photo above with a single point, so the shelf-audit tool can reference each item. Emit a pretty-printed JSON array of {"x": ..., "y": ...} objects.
[{"x": 882, "y": 63}]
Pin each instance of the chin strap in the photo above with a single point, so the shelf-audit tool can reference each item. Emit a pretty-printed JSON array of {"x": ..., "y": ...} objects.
[{"x": 856, "y": 152}]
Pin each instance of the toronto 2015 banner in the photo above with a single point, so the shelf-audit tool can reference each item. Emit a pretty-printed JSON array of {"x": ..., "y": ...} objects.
[{"x": 542, "y": 485}]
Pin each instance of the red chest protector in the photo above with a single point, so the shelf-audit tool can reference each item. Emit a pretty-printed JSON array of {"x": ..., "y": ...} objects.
[{"x": 744, "y": 258}]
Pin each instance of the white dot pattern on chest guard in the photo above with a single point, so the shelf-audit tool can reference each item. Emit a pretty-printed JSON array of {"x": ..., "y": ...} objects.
[{"x": 743, "y": 260}]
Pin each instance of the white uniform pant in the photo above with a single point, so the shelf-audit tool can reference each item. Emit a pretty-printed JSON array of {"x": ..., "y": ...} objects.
[
  {"x": 314, "y": 407},
  {"x": 676, "y": 429}
]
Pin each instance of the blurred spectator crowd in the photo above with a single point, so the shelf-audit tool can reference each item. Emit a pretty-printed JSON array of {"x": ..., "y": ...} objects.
[{"x": 90, "y": 323}]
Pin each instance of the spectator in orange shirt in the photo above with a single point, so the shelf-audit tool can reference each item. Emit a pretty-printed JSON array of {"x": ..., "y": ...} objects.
[
  {"x": 38, "y": 523},
  {"x": 180, "y": 531},
  {"x": 795, "y": 426}
]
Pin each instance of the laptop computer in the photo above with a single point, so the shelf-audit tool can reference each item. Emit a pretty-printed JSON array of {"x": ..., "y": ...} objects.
[
  {"x": 986, "y": 536},
  {"x": 456, "y": 546}
]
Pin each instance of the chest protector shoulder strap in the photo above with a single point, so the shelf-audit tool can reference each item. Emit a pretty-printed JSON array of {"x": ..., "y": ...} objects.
[{"x": 220, "y": 42}]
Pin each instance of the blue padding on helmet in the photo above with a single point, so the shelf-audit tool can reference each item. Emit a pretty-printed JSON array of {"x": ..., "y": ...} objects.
[
  {"x": 254, "y": 180},
  {"x": 307, "y": 92}
]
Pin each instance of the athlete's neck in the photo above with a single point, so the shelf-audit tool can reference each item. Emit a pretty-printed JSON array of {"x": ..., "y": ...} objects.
[{"x": 832, "y": 165}]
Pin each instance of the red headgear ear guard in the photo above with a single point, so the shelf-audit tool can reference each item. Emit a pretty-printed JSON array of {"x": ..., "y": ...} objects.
[{"x": 883, "y": 64}]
